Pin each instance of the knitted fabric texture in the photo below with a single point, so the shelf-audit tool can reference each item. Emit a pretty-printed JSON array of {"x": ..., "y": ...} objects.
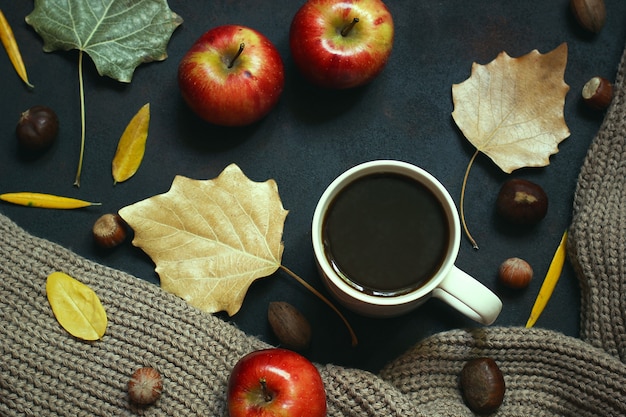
[
  {"x": 598, "y": 230},
  {"x": 46, "y": 372}
]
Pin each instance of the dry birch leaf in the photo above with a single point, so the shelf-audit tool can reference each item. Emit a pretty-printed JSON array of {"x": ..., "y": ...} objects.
[
  {"x": 76, "y": 307},
  {"x": 132, "y": 146},
  {"x": 512, "y": 110},
  {"x": 211, "y": 239}
]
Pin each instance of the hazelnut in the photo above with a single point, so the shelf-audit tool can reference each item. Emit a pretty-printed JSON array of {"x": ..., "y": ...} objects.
[
  {"x": 145, "y": 386},
  {"x": 515, "y": 273},
  {"x": 597, "y": 93},
  {"x": 522, "y": 202},
  {"x": 482, "y": 385},
  {"x": 37, "y": 128},
  {"x": 590, "y": 14},
  {"x": 109, "y": 230},
  {"x": 289, "y": 325}
]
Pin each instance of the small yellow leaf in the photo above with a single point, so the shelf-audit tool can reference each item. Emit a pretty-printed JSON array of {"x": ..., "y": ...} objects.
[
  {"x": 550, "y": 281},
  {"x": 210, "y": 239},
  {"x": 512, "y": 108},
  {"x": 76, "y": 307},
  {"x": 41, "y": 200},
  {"x": 132, "y": 146},
  {"x": 10, "y": 44}
]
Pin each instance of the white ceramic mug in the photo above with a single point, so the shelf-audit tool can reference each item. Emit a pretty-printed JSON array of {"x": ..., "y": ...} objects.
[{"x": 448, "y": 283}]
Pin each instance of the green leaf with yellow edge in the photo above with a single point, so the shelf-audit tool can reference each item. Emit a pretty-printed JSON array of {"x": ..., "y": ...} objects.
[
  {"x": 211, "y": 239},
  {"x": 132, "y": 146},
  {"x": 76, "y": 307}
]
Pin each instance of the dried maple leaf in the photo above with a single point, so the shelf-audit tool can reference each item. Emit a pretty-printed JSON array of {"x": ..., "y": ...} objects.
[
  {"x": 210, "y": 239},
  {"x": 512, "y": 110}
]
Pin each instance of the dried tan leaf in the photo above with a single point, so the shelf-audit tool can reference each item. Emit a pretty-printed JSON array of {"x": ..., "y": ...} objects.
[
  {"x": 210, "y": 239},
  {"x": 512, "y": 108},
  {"x": 76, "y": 307},
  {"x": 512, "y": 111}
]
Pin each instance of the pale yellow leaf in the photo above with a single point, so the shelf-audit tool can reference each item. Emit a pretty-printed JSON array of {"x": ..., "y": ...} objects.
[
  {"x": 132, "y": 146},
  {"x": 76, "y": 307},
  {"x": 210, "y": 239},
  {"x": 512, "y": 108}
]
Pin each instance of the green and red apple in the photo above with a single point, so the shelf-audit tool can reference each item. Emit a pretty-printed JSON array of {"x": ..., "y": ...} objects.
[
  {"x": 231, "y": 76},
  {"x": 275, "y": 382},
  {"x": 341, "y": 44}
]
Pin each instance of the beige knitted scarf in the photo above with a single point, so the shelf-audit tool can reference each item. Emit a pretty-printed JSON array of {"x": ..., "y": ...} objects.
[{"x": 43, "y": 372}]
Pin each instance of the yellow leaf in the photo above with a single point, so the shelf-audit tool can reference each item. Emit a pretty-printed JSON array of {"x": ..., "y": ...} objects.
[
  {"x": 132, "y": 146},
  {"x": 76, "y": 307},
  {"x": 210, "y": 239},
  {"x": 10, "y": 44},
  {"x": 550, "y": 281},
  {"x": 45, "y": 200},
  {"x": 512, "y": 108}
]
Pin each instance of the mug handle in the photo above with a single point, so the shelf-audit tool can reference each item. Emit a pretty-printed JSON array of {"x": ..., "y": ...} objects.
[{"x": 468, "y": 296}]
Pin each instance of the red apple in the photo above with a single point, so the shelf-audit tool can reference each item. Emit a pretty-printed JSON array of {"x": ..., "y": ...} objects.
[
  {"x": 275, "y": 383},
  {"x": 341, "y": 43},
  {"x": 231, "y": 76}
]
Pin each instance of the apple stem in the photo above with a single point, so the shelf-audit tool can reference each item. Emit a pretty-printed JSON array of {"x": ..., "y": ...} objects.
[
  {"x": 345, "y": 31},
  {"x": 232, "y": 61},
  {"x": 267, "y": 396}
]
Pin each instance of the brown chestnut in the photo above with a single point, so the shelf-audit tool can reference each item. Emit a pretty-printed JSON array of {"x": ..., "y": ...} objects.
[
  {"x": 482, "y": 385},
  {"x": 597, "y": 93},
  {"x": 515, "y": 273},
  {"x": 522, "y": 202},
  {"x": 37, "y": 128}
]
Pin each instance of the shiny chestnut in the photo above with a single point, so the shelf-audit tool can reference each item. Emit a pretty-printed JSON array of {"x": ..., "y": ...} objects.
[
  {"x": 37, "y": 128},
  {"x": 597, "y": 93},
  {"x": 482, "y": 385},
  {"x": 522, "y": 202}
]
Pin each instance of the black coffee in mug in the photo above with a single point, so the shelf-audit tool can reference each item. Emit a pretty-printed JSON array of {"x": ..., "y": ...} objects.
[{"x": 386, "y": 234}]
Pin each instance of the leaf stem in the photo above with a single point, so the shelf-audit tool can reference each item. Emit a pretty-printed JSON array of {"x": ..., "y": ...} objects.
[
  {"x": 81, "y": 87},
  {"x": 325, "y": 300},
  {"x": 462, "y": 202}
]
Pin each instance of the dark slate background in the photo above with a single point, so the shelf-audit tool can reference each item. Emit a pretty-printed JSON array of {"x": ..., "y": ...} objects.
[{"x": 310, "y": 138}]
